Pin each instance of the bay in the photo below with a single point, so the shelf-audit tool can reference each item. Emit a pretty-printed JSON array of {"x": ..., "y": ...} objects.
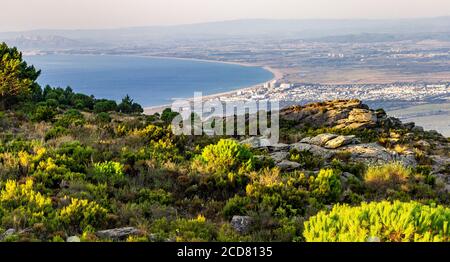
[{"x": 149, "y": 81}]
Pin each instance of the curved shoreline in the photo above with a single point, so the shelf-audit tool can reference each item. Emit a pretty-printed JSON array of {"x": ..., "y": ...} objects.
[{"x": 276, "y": 73}]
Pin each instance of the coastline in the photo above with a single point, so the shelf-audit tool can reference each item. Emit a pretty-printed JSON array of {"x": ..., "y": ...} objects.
[{"x": 276, "y": 73}]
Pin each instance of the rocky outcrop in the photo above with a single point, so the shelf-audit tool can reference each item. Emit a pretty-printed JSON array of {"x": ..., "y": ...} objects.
[
  {"x": 327, "y": 146},
  {"x": 374, "y": 153},
  {"x": 340, "y": 114},
  {"x": 403, "y": 142},
  {"x": 340, "y": 141}
]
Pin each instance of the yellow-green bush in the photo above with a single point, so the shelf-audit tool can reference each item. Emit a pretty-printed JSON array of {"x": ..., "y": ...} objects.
[
  {"x": 386, "y": 221},
  {"x": 108, "y": 172},
  {"x": 81, "y": 213},
  {"x": 326, "y": 186},
  {"x": 228, "y": 155},
  {"x": 22, "y": 206}
]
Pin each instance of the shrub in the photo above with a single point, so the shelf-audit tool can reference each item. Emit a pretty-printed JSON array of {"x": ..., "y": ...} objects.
[
  {"x": 72, "y": 117},
  {"x": 281, "y": 196},
  {"x": 151, "y": 133},
  {"x": 74, "y": 156},
  {"x": 168, "y": 115},
  {"x": 185, "y": 230},
  {"x": 44, "y": 113},
  {"x": 111, "y": 172},
  {"x": 55, "y": 132},
  {"x": 22, "y": 206},
  {"x": 306, "y": 159},
  {"x": 103, "y": 118},
  {"x": 236, "y": 206},
  {"x": 389, "y": 222},
  {"x": 388, "y": 176},
  {"x": 228, "y": 155},
  {"x": 81, "y": 213},
  {"x": 326, "y": 186}
]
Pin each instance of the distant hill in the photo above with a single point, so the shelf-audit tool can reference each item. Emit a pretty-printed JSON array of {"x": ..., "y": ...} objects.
[{"x": 255, "y": 28}]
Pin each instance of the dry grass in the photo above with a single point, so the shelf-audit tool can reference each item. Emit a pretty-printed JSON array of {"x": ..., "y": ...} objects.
[{"x": 388, "y": 176}]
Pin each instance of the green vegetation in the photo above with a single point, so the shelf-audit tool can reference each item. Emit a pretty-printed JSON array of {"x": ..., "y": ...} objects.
[
  {"x": 380, "y": 221},
  {"x": 71, "y": 164}
]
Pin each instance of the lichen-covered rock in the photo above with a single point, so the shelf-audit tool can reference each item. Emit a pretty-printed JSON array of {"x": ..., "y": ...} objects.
[
  {"x": 287, "y": 165},
  {"x": 241, "y": 224},
  {"x": 315, "y": 150},
  {"x": 279, "y": 156},
  {"x": 320, "y": 140},
  {"x": 340, "y": 141},
  {"x": 374, "y": 153},
  {"x": 117, "y": 233}
]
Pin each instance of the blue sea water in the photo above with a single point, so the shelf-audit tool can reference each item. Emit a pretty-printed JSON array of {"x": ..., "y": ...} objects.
[{"x": 149, "y": 81}]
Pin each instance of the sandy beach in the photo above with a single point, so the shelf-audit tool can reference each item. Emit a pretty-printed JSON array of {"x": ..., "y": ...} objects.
[{"x": 277, "y": 75}]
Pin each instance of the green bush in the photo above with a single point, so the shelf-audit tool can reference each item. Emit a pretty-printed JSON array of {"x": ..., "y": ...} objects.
[
  {"x": 81, "y": 214},
  {"x": 326, "y": 186},
  {"x": 22, "y": 206},
  {"x": 236, "y": 206},
  {"x": 44, "y": 113},
  {"x": 71, "y": 117},
  {"x": 228, "y": 155},
  {"x": 55, "y": 132},
  {"x": 388, "y": 222},
  {"x": 111, "y": 172},
  {"x": 185, "y": 230},
  {"x": 280, "y": 195},
  {"x": 306, "y": 159},
  {"x": 103, "y": 118}
]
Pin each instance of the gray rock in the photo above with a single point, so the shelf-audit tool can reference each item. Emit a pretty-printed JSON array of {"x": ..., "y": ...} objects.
[
  {"x": 322, "y": 139},
  {"x": 374, "y": 153},
  {"x": 279, "y": 147},
  {"x": 286, "y": 165},
  {"x": 8, "y": 233},
  {"x": 341, "y": 141},
  {"x": 73, "y": 239},
  {"x": 315, "y": 150},
  {"x": 118, "y": 233},
  {"x": 241, "y": 224},
  {"x": 279, "y": 156}
]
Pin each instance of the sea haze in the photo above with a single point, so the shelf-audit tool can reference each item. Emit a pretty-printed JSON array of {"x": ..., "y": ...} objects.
[{"x": 149, "y": 81}]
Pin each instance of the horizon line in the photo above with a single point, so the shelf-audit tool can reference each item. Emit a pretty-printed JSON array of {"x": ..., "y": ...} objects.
[{"x": 223, "y": 21}]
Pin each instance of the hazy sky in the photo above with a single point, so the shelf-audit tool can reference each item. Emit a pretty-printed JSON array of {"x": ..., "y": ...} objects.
[{"x": 82, "y": 14}]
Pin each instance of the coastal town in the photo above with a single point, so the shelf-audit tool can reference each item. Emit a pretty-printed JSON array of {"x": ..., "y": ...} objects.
[{"x": 305, "y": 93}]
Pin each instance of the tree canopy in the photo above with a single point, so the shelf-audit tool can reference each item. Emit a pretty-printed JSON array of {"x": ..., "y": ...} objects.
[{"x": 16, "y": 77}]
